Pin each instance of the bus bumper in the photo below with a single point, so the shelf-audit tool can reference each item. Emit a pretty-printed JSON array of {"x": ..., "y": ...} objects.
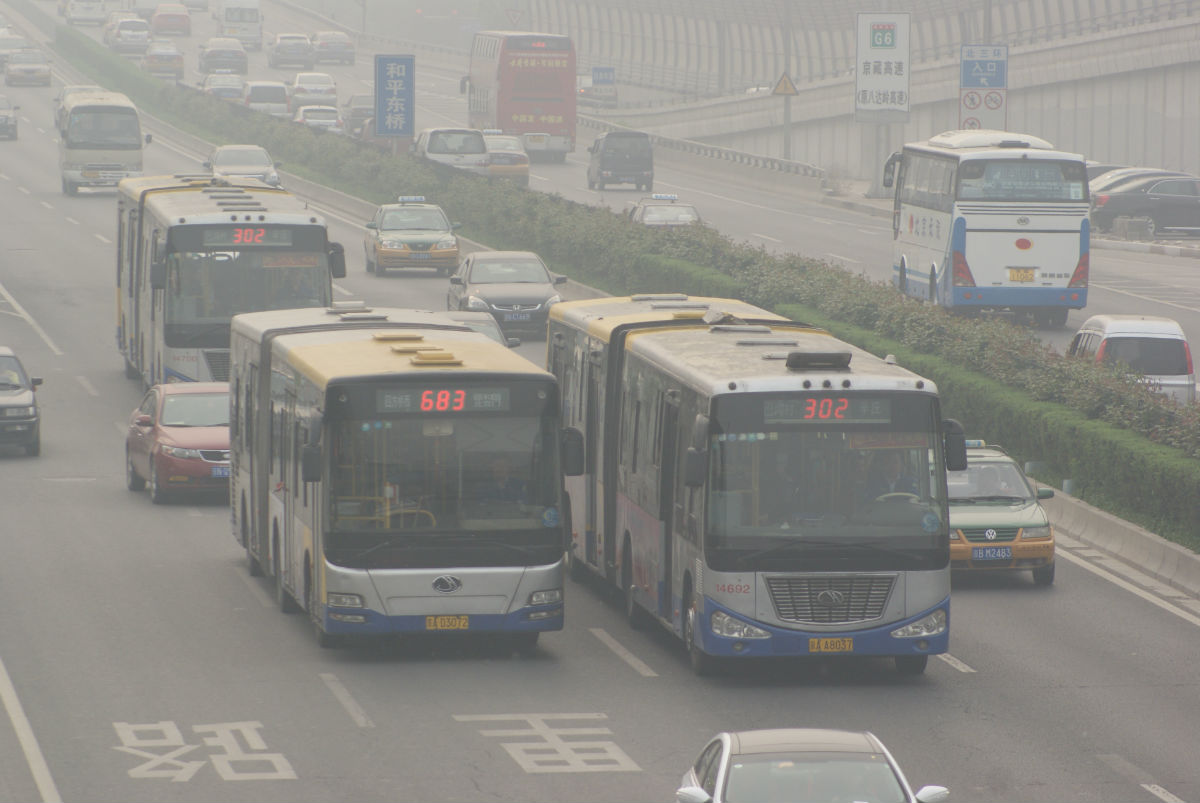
[
  {"x": 1017, "y": 297},
  {"x": 878, "y": 640},
  {"x": 97, "y": 176},
  {"x": 364, "y": 622}
]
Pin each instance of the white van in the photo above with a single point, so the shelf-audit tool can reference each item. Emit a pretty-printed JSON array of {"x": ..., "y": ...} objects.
[
  {"x": 91, "y": 12},
  {"x": 463, "y": 148},
  {"x": 102, "y": 141},
  {"x": 1153, "y": 347},
  {"x": 241, "y": 20}
]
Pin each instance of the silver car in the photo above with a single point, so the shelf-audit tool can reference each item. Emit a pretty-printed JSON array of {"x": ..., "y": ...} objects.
[{"x": 243, "y": 161}]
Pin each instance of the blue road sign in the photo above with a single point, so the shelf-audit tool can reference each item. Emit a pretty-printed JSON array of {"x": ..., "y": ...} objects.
[
  {"x": 602, "y": 76},
  {"x": 395, "y": 96},
  {"x": 984, "y": 67}
]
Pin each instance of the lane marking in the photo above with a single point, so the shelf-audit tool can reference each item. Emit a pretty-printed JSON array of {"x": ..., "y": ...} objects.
[
  {"x": 73, "y": 220},
  {"x": 41, "y": 131},
  {"x": 839, "y": 256},
  {"x": 1131, "y": 588},
  {"x": 1135, "y": 774},
  {"x": 102, "y": 239},
  {"x": 87, "y": 386},
  {"x": 255, "y": 588},
  {"x": 45, "y": 204},
  {"x": 5, "y": 176},
  {"x": 765, "y": 237},
  {"x": 954, "y": 662},
  {"x": 29, "y": 320},
  {"x": 625, "y": 655},
  {"x": 1161, "y": 794},
  {"x": 24, "y": 190},
  {"x": 337, "y": 288},
  {"x": 29, "y": 743},
  {"x": 343, "y": 696}
]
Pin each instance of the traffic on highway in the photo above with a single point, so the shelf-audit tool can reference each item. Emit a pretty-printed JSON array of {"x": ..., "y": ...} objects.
[{"x": 230, "y": 393}]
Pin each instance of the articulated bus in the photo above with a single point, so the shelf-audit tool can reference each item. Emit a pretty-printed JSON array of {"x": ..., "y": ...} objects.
[
  {"x": 193, "y": 251},
  {"x": 991, "y": 220},
  {"x": 399, "y": 476},
  {"x": 524, "y": 84},
  {"x": 753, "y": 484}
]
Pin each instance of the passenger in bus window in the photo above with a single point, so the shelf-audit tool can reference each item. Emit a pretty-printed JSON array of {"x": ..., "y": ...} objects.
[
  {"x": 502, "y": 485},
  {"x": 888, "y": 476}
]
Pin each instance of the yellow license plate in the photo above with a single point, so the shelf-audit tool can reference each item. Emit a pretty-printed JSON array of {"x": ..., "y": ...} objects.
[
  {"x": 831, "y": 645},
  {"x": 91, "y": 174},
  {"x": 447, "y": 622},
  {"x": 1020, "y": 274}
]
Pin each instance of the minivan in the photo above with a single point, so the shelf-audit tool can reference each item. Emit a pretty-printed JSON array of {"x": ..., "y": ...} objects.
[
  {"x": 267, "y": 96},
  {"x": 621, "y": 157},
  {"x": 463, "y": 148},
  {"x": 1152, "y": 346}
]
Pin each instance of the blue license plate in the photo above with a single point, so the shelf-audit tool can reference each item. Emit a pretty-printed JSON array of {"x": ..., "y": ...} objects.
[
  {"x": 991, "y": 553},
  {"x": 516, "y": 316},
  {"x": 220, "y": 471}
]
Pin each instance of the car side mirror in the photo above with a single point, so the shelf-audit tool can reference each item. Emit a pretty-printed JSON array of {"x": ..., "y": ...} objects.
[
  {"x": 572, "y": 452},
  {"x": 372, "y": 225},
  {"x": 692, "y": 794},
  {"x": 36, "y": 381},
  {"x": 513, "y": 342},
  {"x": 149, "y": 138},
  {"x": 206, "y": 165},
  {"x": 560, "y": 279},
  {"x": 144, "y": 420},
  {"x": 310, "y": 463},
  {"x": 456, "y": 280},
  {"x": 337, "y": 261},
  {"x": 1045, "y": 493}
]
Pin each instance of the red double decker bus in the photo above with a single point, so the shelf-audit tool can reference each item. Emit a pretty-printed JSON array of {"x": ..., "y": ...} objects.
[{"x": 524, "y": 84}]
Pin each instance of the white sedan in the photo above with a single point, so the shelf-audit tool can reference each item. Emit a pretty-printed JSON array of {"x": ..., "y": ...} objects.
[{"x": 327, "y": 118}]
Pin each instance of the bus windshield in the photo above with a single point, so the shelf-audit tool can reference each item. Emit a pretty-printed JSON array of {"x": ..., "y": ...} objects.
[
  {"x": 856, "y": 469},
  {"x": 1022, "y": 180},
  {"x": 107, "y": 128}
]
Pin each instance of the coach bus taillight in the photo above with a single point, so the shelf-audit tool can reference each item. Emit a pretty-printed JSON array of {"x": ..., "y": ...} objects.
[
  {"x": 1080, "y": 277},
  {"x": 962, "y": 271}
]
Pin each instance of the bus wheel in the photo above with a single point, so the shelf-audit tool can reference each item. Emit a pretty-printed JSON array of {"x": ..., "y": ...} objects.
[
  {"x": 633, "y": 613},
  {"x": 902, "y": 280},
  {"x": 131, "y": 371},
  {"x": 525, "y": 643},
  {"x": 702, "y": 662},
  {"x": 909, "y": 665},
  {"x": 252, "y": 564},
  {"x": 933, "y": 294},
  {"x": 69, "y": 187}
]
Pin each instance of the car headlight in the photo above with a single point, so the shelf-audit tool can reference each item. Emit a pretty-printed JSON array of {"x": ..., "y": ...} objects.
[
  {"x": 449, "y": 242},
  {"x": 725, "y": 625},
  {"x": 476, "y": 303},
  {"x": 954, "y": 535},
  {"x": 19, "y": 412},
  {"x": 392, "y": 244},
  {"x": 926, "y": 626},
  {"x": 554, "y": 299},
  {"x": 176, "y": 451},
  {"x": 272, "y": 179},
  {"x": 1034, "y": 533},
  {"x": 547, "y": 597}
]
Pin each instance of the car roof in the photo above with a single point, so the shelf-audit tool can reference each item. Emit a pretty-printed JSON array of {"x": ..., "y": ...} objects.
[
  {"x": 411, "y": 205},
  {"x": 502, "y": 256},
  {"x": 179, "y": 388},
  {"x": 293, "y": 34},
  {"x": 1129, "y": 323},
  {"x": 306, "y": 75},
  {"x": 242, "y": 147},
  {"x": 802, "y": 740}
]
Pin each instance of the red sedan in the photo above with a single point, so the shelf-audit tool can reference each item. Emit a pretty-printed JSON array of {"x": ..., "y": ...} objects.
[
  {"x": 171, "y": 18},
  {"x": 178, "y": 440}
]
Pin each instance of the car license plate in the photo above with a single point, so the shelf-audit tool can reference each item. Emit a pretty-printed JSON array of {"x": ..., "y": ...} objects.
[
  {"x": 1020, "y": 274},
  {"x": 516, "y": 316},
  {"x": 831, "y": 645},
  {"x": 419, "y": 255},
  {"x": 220, "y": 471},
  {"x": 447, "y": 622},
  {"x": 991, "y": 553}
]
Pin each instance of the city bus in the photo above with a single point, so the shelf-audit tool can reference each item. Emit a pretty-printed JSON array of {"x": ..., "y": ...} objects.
[
  {"x": 193, "y": 251},
  {"x": 404, "y": 475},
  {"x": 101, "y": 140},
  {"x": 991, "y": 220},
  {"x": 524, "y": 84},
  {"x": 736, "y": 483}
]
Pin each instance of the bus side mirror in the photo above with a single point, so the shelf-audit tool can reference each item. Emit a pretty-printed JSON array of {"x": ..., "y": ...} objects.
[
  {"x": 572, "y": 452},
  {"x": 889, "y": 170},
  {"x": 954, "y": 441},
  {"x": 695, "y": 466},
  {"x": 310, "y": 463},
  {"x": 337, "y": 261}
]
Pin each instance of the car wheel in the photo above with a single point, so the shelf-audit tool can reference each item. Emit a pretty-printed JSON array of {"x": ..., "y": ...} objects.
[
  {"x": 1044, "y": 575},
  {"x": 370, "y": 264},
  {"x": 1152, "y": 229},
  {"x": 591, "y": 184},
  {"x": 909, "y": 665},
  {"x": 34, "y": 447},
  {"x": 133, "y": 480},
  {"x": 702, "y": 662},
  {"x": 158, "y": 494}
]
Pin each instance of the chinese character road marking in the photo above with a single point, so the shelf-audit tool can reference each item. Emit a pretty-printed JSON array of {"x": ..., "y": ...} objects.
[
  {"x": 136, "y": 739},
  {"x": 546, "y": 750}
]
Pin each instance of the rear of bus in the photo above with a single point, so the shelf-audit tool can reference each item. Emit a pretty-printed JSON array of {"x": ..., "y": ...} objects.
[
  {"x": 536, "y": 95},
  {"x": 102, "y": 141},
  {"x": 1019, "y": 233}
]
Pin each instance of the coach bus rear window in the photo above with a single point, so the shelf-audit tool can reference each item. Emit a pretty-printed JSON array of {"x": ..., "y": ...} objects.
[{"x": 1022, "y": 180}]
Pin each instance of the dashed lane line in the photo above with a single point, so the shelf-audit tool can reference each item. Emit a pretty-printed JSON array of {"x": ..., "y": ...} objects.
[
  {"x": 87, "y": 386},
  {"x": 343, "y": 696},
  {"x": 961, "y": 666},
  {"x": 625, "y": 655},
  {"x": 16, "y": 305},
  {"x": 102, "y": 239}
]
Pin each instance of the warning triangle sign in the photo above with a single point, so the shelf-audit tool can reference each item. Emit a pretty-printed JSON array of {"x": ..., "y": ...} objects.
[
  {"x": 785, "y": 86},
  {"x": 514, "y": 16}
]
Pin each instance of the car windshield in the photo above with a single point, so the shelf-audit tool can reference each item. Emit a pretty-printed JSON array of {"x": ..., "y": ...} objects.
[
  {"x": 268, "y": 94},
  {"x": 314, "y": 80},
  {"x": 410, "y": 219},
  {"x": 992, "y": 480},
  {"x": 812, "y": 776},
  {"x": 224, "y": 80},
  {"x": 11, "y": 375},
  {"x": 241, "y": 157},
  {"x": 509, "y": 270},
  {"x": 504, "y": 144},
  {"x": 456, "y": 142},
  {"x": 196, "y": 410},
  {"x": 126, "y": 26},
  {"x": 162, "y": 49}
]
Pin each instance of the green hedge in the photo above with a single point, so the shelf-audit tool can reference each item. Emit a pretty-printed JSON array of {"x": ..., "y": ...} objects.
[{"x": 1127, "y": 449}]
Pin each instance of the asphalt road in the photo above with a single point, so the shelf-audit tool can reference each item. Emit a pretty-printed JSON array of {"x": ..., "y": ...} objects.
[{"x": 140, "y": 662}]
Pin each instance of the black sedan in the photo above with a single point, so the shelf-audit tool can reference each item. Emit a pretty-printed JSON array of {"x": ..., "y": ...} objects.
[
  {"x": 19, "y": 421},
  {"x": 1171, "y": 203},
  {"x": 8, "y": 118},
  {"x": 514, "y": 286}
]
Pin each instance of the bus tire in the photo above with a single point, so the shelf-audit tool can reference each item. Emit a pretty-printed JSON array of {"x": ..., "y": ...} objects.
[
  {"x": 133, "y": 480},
  {"x": 633, "y": 612},
  {"x": 910, "y": 665},
  {"x": 69, "y": 187},
  {"x": 131, "y": 370},
  {"x": 252, "y": 564},
  {"x": 526, "y": 643},
  {"x": 933, "y": 293},
  {"x": 902, "y": 280},
  {"x": 702, "y": 663}
]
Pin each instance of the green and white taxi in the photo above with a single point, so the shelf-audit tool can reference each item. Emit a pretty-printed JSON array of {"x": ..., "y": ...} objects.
[{"x": 411, "y": 234}]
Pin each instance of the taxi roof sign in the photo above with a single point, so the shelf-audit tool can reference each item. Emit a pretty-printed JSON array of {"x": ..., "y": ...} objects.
[
  {"x": 411, "y": 199},
  {"x": 662, "y": 196}
]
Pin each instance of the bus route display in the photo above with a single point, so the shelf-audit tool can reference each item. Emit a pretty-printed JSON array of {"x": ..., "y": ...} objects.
[
  {"x": 828, "y": 409},
  {"x": 446, "y": 399}
]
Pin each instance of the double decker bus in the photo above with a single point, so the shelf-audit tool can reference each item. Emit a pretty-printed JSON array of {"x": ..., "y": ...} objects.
[
  {"x": 398, "y": 475},
  {"x": 193, "y": 251},
  {"x": 991, "y": 220},
  {"x": 753, "y": 484},
  {"x": 524, "y": 84}
]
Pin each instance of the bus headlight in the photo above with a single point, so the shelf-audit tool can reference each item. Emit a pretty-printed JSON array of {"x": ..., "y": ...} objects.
[
  {"x": 931, "y": 625},
  {"x": 725, "y": 625},
  {"x": 476, "y": 303},
  {"x": 550, "y": 596},
  {"x": 177, "y": 451},
  {"x": 1034, "y": 533},
  {"x": 343, "y": 600}
]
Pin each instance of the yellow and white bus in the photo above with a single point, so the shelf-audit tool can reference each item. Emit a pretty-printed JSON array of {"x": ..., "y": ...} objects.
[
  {"x": 736, "y": 485},
  {"x": 193, "y": 251},
  {"x": 400, "y": 476}
]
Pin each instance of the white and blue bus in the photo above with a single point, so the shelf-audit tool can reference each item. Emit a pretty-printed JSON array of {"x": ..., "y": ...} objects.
[
  {"x": 991, "y": 220},
  {"x": 753, "y": 484}
]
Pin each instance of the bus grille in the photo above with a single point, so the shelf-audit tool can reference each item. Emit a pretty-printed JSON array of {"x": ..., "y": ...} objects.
[
  {"x": 218, "y": 364},
  {"x": 998, "y": 534},
  {"x": 825, "y": 600}
]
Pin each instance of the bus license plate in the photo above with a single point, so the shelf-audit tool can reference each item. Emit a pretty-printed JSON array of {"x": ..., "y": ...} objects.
[
  {"x": 516, "y": 316},
  {"x": 991, "y": 553},
  {"x": 220, "y": 471},
  {"x": 1020, "y": 274},
  {"x": 447, "y": 622},
  {"x": 831, "y": 645}
]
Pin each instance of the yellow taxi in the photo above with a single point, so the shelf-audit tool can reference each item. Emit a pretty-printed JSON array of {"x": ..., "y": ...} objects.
[
  {"x": 411, "y": 234},
  {"x": 508, "y": 158},
  {"x": 996, "y": 520}
]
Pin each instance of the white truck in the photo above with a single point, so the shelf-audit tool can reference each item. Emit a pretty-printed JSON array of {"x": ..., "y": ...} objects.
[{"x": 241, "y": 20}]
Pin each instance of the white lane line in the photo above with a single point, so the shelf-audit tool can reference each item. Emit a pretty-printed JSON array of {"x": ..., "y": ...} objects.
[
  {"x": 624, "y": 654},
  {"x": 29, "y": 743},
  {"x": 29, "y": 320},
  {"x": 102, "y": 239},
  {"x": 1135, "y": 774},
  {"x": 41, "y": 131},
  {"x": 764, "y": 237},
  {"x": 1131, "y": 588},
  {"x": 87, "y": 386},
  {"x": 957, "y": 664},
  {"x": 73, "y": 221},
  {"x": 1162, "y": 794},
  {"x": 24, "y": 190},
  {"x": 5, "y": 176},
  {"x": 255, "y": 587},
  {"x": 839, "y": 256},
  {"x": 337, "y": 288},
  {"x": 43, "y": 203},
  {"x": 539, "y": 178},
  {"x": 348, "y": 702},
  {"x": 26, "y": 119}
]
